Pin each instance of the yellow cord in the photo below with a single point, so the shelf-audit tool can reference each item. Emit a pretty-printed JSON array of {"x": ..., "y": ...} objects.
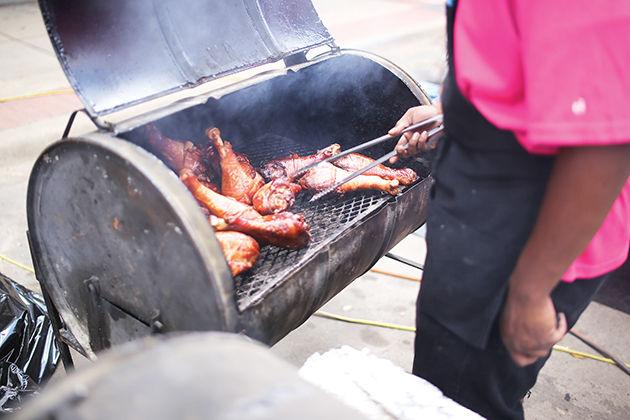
[
  {"x": 335, "y": 317},
  {"x": 396, "y": 275},
  {"x": 563, "y": 349},
  {"x": 581, "y": 355},
  {"x": 17, "y": 264},
  {"x": 36, "y": 95}
]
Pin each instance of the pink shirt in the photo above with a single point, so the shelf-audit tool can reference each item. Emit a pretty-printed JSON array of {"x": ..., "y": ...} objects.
[{"x": 556, "y": 73}]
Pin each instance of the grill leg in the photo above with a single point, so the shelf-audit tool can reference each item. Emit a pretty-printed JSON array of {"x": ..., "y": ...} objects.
[
  {"x": 55, "y": 319},
  {"x": 404, "y": 261}
]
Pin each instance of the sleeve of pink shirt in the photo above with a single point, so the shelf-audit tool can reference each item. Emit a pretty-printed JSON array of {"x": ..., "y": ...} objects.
[
  {"x": 575, "y": 57},
  {"x": 557, "y": 74}
]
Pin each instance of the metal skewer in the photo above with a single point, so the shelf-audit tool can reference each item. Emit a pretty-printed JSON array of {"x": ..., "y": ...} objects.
[
  {"x": 366, "y": 168},
  {"x": 370, "y": 143}
]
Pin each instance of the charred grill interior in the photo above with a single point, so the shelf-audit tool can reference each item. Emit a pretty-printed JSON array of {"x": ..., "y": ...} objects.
[{"x": 344, "y": 100}]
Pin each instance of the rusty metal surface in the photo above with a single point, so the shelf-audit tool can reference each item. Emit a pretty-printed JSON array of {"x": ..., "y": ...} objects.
[{"x": 118, "y": 53}]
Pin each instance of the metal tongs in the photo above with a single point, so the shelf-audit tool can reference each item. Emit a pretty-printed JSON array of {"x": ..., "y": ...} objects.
[
  {"x": 362, "y": 146},
  {"x": 382, "y": 159}
]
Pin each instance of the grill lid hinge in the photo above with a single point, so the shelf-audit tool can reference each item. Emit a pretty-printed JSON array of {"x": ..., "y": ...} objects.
[
  {"x": 99, "y": 123},
  {"x": 156, "y": 325},
  {"x": 295, "y": 59}
]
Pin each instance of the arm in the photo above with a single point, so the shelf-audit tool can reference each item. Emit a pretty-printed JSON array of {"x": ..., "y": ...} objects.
[{"x": 584, "y": 183}]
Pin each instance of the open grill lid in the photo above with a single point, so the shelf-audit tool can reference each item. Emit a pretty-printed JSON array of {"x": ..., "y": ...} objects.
[{"x": 118, "y": 53}]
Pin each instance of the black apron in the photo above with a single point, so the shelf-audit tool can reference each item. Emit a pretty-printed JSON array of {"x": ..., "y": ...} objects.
[{"x": 485, "y": 201}]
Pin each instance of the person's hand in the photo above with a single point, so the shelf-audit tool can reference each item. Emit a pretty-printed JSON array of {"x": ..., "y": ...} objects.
[
  {"x": 411, "y": 143},
  {"x": 530, "y": 326}
]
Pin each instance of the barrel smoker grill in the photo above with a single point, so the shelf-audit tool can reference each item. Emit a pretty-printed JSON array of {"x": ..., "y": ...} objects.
[{"x": 121, "y": 248}]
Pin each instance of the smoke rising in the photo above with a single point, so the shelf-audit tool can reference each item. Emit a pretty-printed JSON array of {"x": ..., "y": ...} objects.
[{"x": 345, "y": 99}]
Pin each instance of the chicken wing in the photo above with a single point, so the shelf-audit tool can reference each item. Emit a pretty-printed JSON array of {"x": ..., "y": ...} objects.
[
  {"x": 180, "y": 155},
  {"x": 239, "y": 179},
  {"x": 355, "y": 161},
  {"x": 325, "y": 175},
  {"x": 275, "y": 196},
  {"x": 288, "y": 166},
  {"x": 284, "y": 229},
  {"x": 241, "y": 251}
]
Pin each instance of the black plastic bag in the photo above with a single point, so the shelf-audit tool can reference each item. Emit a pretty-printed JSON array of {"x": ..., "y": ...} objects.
[{"x": 28, "y": 351}]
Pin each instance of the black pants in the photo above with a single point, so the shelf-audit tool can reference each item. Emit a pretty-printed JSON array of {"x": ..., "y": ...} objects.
[{"x": 487, "y": 381}]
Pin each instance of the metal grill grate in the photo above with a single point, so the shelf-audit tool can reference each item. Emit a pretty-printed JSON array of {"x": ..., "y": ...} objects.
[{"x": 327, "y": 217}]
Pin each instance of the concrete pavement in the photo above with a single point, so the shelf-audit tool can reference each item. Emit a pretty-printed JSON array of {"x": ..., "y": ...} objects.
[{"x": 410, "y": 33}]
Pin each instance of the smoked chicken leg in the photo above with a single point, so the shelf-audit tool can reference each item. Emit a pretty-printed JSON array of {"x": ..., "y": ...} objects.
[
  {"x": 239, "y": 179},
  {"x": 284, "y": 229},
  {"x": 275, "y": 196},
  {"x": 180, "y": 155},
  {"x": 241, "y": 251},
  {"x": 355, "y": 161},
  {"x": 288, "y": 166},
  {"x": 214, "y": 161},
  {"x": 325, "y": 175}
]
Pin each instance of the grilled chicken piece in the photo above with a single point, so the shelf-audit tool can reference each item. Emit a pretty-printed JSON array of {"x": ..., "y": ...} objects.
[
  {"x": 239, "y": 179},
  {"x": 285, "y": 229},
  {"x": 214, "y": 162},
  {"x": 216, "y": 222},
  {"x": 325, "y": 175},
  {"x": 355, "y": 161},
  {"x": 218, "y": 204},
  {"x": 241, "y": 251},
  {"x": 275, "y": 196},
  {"x": 288, "y": 166},
  {"x": 180, "y": 155}
]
